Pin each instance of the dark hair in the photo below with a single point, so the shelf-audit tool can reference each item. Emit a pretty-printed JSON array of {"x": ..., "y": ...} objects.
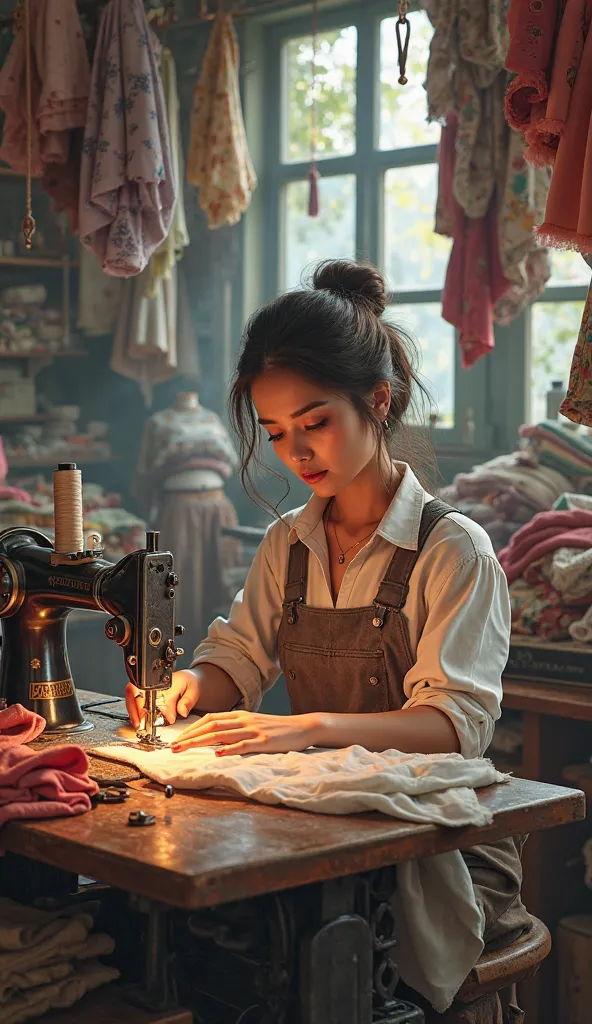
[{"x": 334, "y": 335}]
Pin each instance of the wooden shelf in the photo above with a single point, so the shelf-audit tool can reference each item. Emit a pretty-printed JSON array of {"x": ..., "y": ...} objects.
[
  {"x": 43, "y": 354},
  {"x": 77, "y": 457},
  {"x": 37, "y": 261},
  {"x": 39, "y": 417}
]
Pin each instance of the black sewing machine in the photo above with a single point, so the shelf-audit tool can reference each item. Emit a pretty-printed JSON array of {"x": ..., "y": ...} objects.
[{"x": 41, "y": 583}]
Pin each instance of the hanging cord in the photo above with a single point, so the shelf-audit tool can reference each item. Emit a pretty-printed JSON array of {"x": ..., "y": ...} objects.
[
  {"x": 313, "y": 174},
  {"x": 403, "y": 47},
  {"x": 22, "y": 23}
]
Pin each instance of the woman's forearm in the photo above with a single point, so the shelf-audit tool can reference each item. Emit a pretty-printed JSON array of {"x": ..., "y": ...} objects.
[
  {"x": 416, "y": 730},
  {"x": 216, "y": 690}
]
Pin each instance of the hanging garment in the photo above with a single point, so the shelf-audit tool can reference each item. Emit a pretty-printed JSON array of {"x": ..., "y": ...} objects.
[
  {"x": 532, "y": 34},
  {"x": 190, "y": 524},
  {"x": 474, "y": 278},
  {"x": 127, "y": 188},
  {"x": 60, "y": 86},
  {"x": 568, "y": 215},
  {"x": 548, "y": 116},
  {"x": 99, "y": 297},
  {"x": 218, "y": 161},
  {"x": 154, "y": 338},
  {"x": 489, "y": 201},
  {"x": 171, "y": 251},
  {"x": 577, "y": 405}
]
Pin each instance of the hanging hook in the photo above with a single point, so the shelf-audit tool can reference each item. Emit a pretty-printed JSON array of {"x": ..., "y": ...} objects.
[{"x": 403, "y": 46}]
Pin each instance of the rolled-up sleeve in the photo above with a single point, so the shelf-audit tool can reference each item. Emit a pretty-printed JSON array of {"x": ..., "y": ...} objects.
[
  {"x": 463, "y": 650},
  {"x": 245, "y": 644}
]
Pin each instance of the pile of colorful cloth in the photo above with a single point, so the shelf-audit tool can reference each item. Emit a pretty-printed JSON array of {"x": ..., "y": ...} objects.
[
  {"x": 504, "y": 494},
  {"x": 567, "y": 451},
  {"x": 548, "y": 564}
]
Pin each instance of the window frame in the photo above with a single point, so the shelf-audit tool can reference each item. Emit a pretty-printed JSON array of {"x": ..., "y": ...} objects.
[{"x": 497, "y": 387}]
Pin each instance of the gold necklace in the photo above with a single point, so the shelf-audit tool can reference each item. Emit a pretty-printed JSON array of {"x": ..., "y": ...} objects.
[{"x": 341, "y": 558}]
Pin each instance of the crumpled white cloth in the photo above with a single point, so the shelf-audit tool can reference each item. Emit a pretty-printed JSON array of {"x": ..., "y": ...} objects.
[
  {"x": 440, "y": 925},
  {"x": 582, "y": 629},
  {"x": 570, "y": 572}
]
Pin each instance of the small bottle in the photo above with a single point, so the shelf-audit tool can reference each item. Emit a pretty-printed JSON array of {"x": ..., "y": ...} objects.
[{"x": 555, "y": 397}]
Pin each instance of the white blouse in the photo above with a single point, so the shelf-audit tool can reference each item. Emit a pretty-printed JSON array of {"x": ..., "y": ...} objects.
[{"x": 457, "y": 609}]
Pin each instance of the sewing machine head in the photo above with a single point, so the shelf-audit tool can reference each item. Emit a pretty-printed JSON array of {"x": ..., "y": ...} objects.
[{"x": 41, "y": 583}]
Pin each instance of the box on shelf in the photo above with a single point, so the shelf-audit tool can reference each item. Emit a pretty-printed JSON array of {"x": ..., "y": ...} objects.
[
  {"x": 561, "y": 662},
  {"x": 17, "y": 398}
]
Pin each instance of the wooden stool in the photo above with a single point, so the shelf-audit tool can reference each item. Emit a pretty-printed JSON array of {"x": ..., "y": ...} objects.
[{"x": 502, "y": 969}]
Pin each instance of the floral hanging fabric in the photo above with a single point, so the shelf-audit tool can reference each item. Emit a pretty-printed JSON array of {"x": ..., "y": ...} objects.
[{"x": 218, "y": 160}]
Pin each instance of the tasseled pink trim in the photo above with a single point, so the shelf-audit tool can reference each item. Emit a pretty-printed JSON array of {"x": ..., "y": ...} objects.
[
  {"x": 528, "y": 88},
  {"x": 555, "y": 237},
  {"x": 542, "y": 141}
]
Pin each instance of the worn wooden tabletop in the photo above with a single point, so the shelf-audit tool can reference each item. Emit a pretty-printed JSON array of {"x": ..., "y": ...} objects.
[{"x": 207, "y": 849}]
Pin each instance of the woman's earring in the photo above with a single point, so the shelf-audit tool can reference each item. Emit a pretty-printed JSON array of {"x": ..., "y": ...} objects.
[{"x": 386, "y": 425}]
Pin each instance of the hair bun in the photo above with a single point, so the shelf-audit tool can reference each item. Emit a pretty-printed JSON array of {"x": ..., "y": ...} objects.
[{"x": 353, "y": 281}]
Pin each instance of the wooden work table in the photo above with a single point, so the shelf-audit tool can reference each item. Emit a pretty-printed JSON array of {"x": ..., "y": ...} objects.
[{"x": 207, "y": 850}]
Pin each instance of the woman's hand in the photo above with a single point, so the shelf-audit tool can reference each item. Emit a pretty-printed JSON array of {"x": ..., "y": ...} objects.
[
  {"x": 246, "y": 732},
  {"x": 180, "y": 698}
]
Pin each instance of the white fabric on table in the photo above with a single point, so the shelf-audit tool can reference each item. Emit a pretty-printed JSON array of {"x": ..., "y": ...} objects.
[{"x": 440, "y": 926}]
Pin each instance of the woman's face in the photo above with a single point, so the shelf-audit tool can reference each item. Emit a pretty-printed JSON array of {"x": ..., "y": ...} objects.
[{"x": 316, "y": 434}]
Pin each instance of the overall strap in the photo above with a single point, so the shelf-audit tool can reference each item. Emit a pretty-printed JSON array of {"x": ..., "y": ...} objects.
[
  {"x": 297, "y": 579},
  {"x": 392, "y": 592}
]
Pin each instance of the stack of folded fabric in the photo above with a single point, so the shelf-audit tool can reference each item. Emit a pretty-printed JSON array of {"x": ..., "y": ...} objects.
[
  {"x": 48, "y": 959},
  {"x": 39, "y": 783},
  {"x": 565, "y": 450},
  {"x": 548, "y": 563},
  {"x": 505, "y": 493}
]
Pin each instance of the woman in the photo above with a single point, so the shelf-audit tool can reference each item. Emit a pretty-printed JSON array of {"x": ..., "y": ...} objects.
[{"x": 386, "y": 611}]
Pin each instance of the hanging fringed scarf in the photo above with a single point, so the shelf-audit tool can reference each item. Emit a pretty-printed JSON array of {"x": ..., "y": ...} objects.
[
  {"x": 313, "y": 174},
  {"x": 22, "y": 23},
  {"x": 403, "y": 44}
]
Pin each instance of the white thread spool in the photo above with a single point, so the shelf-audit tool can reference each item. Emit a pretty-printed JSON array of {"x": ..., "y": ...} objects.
[{"x": 67, "y": 509}]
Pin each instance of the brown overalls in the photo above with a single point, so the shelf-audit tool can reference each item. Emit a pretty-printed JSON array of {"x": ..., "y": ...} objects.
[{"x": 354, "y": 661}]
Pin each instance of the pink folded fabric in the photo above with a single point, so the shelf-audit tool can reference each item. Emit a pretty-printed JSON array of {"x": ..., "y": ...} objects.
[
  {"x": 19, "y": 725},
  {"x": 546, "y": 532},
  {"x": 44, "y": 783}
]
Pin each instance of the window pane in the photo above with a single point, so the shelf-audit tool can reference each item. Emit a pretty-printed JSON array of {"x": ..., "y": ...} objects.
[
  {"x": 414, "y": 255},
  {"x": 436, "y": 349},
  {"x": 335, "y": 78},
  {"x": 330, "y": 235},
  {"x": 554, "y": 330},
  {"x": 569, "y": 268},
  {"x": 403, "y": 109}
]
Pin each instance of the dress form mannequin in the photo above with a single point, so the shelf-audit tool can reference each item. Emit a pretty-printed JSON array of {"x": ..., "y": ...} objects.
[{"x": 185, "y": 459}]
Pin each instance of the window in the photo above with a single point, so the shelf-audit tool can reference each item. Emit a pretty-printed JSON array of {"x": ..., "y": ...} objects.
[
  {"x": 378, "y": 183},
  {"x": 554, "y": 325},
  {"x": 376, "y": 155}
]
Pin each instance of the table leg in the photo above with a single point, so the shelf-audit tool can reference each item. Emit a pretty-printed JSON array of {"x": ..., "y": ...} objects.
[{"x": 157, "y": 991}]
